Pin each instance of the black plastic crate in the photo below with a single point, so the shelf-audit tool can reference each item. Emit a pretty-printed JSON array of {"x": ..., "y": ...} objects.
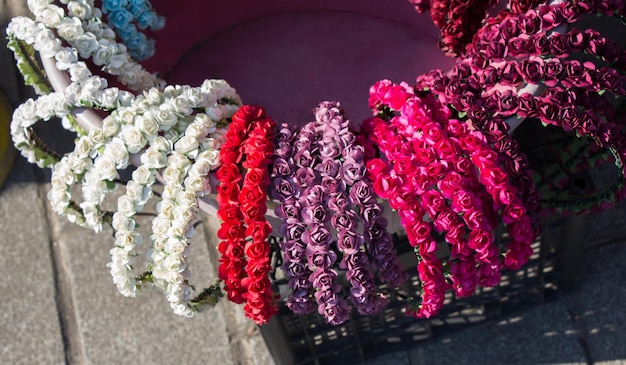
[{"x": 309, "y": 339}]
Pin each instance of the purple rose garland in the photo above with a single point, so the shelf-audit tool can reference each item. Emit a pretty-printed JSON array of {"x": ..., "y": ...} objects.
[
  {"x": 346, "y": 170},
  {"x": 287, "y": 191}
]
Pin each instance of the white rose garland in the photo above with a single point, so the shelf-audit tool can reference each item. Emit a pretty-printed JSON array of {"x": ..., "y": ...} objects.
[
  {"x": 175, "y": 213},
  {"x": 84, "y": 89},
  {"x": 85, "y": 32},
  {"x": 179, "y": 207},
  {"x": 154, "y": 118},
  {"x": 138, "y": 192}
]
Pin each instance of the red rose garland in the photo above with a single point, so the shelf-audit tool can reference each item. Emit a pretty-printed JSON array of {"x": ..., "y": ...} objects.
[
  {"x": 244, "y": 265},
  {"x": 258, "y": 150},
  {"x": 232, "y": 232}
]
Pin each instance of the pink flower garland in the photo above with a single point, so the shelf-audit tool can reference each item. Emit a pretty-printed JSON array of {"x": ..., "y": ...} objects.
[{"x": 436, "y": 161}]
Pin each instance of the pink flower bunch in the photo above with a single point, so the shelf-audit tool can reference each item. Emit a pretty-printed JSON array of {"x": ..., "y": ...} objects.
[
  {"x": 439, "y": 172},
  {"x": 519, "y": 49}
]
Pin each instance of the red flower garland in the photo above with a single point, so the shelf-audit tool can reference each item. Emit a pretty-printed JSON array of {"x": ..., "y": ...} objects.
[
  {"x": 258, "y": 149},
  {"x": 244, "y": 266},
  {"x": 232, "y": 231}
]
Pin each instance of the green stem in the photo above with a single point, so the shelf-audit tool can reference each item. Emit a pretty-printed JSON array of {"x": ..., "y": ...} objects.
[
  {"x": 43, "y": 148},
  {"x": 33, "y": 74},
  {"x": 210, "y": 295}
]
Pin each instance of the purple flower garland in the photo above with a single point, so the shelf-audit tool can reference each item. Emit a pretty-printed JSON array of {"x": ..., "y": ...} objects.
[
  {"x": 315, "y": 214},
  {"x": 287, "y": 190},
  {"x": 343, "y": 169},
  {"x": 319, "y": 178}
]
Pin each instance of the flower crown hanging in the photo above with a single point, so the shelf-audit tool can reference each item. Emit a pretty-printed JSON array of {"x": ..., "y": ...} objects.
[
  {"x": 440, "y": 154},
  {"x": 514, "y": 50}
]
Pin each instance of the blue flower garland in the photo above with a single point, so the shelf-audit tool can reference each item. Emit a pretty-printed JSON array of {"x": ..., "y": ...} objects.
[{"x": 125, "y": 16}]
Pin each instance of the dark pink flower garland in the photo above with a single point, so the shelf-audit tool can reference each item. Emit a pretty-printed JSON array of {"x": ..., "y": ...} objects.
[
  {"x": 485, "y": 67},
  {"x": 460, "y": 20},
  {"x": 506, "y": 27},
  {"x": 495, "y": 130}
]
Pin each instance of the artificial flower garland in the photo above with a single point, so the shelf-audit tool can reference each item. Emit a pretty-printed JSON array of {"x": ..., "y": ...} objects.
[
  {"x": 125, "y": 16},
  {"x": 459, "y": 21},
  {"x": 445, "y": 160},
  {"x": 344, "y": 181},
  {"x": 135, "y": 122},
  {"x": 440, "y": 173},
  {"x": 244, "y": 266},
  {"x": 287, "y": 191},
  {"x": 471, "y": 86},
  {"x": 315, "y": 215},
  {"x": 319, "y": 179},
  {"x": 83, "y": 29}
]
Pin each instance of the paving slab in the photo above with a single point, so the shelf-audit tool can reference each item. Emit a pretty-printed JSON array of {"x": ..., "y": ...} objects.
[
  {"x": 542, "y": 334},
  {"x": 596, "y": 307},
  {"x": 395, "y": 358},
  {"x": 113, "y": 329},
  {"x": 30, "y": 330}
]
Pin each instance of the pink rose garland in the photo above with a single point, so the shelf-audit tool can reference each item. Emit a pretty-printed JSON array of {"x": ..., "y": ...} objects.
[{"x": 442, "y": 174}]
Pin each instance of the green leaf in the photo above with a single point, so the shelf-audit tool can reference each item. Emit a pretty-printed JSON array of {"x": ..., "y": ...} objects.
[
  {"x": 110, "y": 184},
  {"x": 28, "y": 65}
]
